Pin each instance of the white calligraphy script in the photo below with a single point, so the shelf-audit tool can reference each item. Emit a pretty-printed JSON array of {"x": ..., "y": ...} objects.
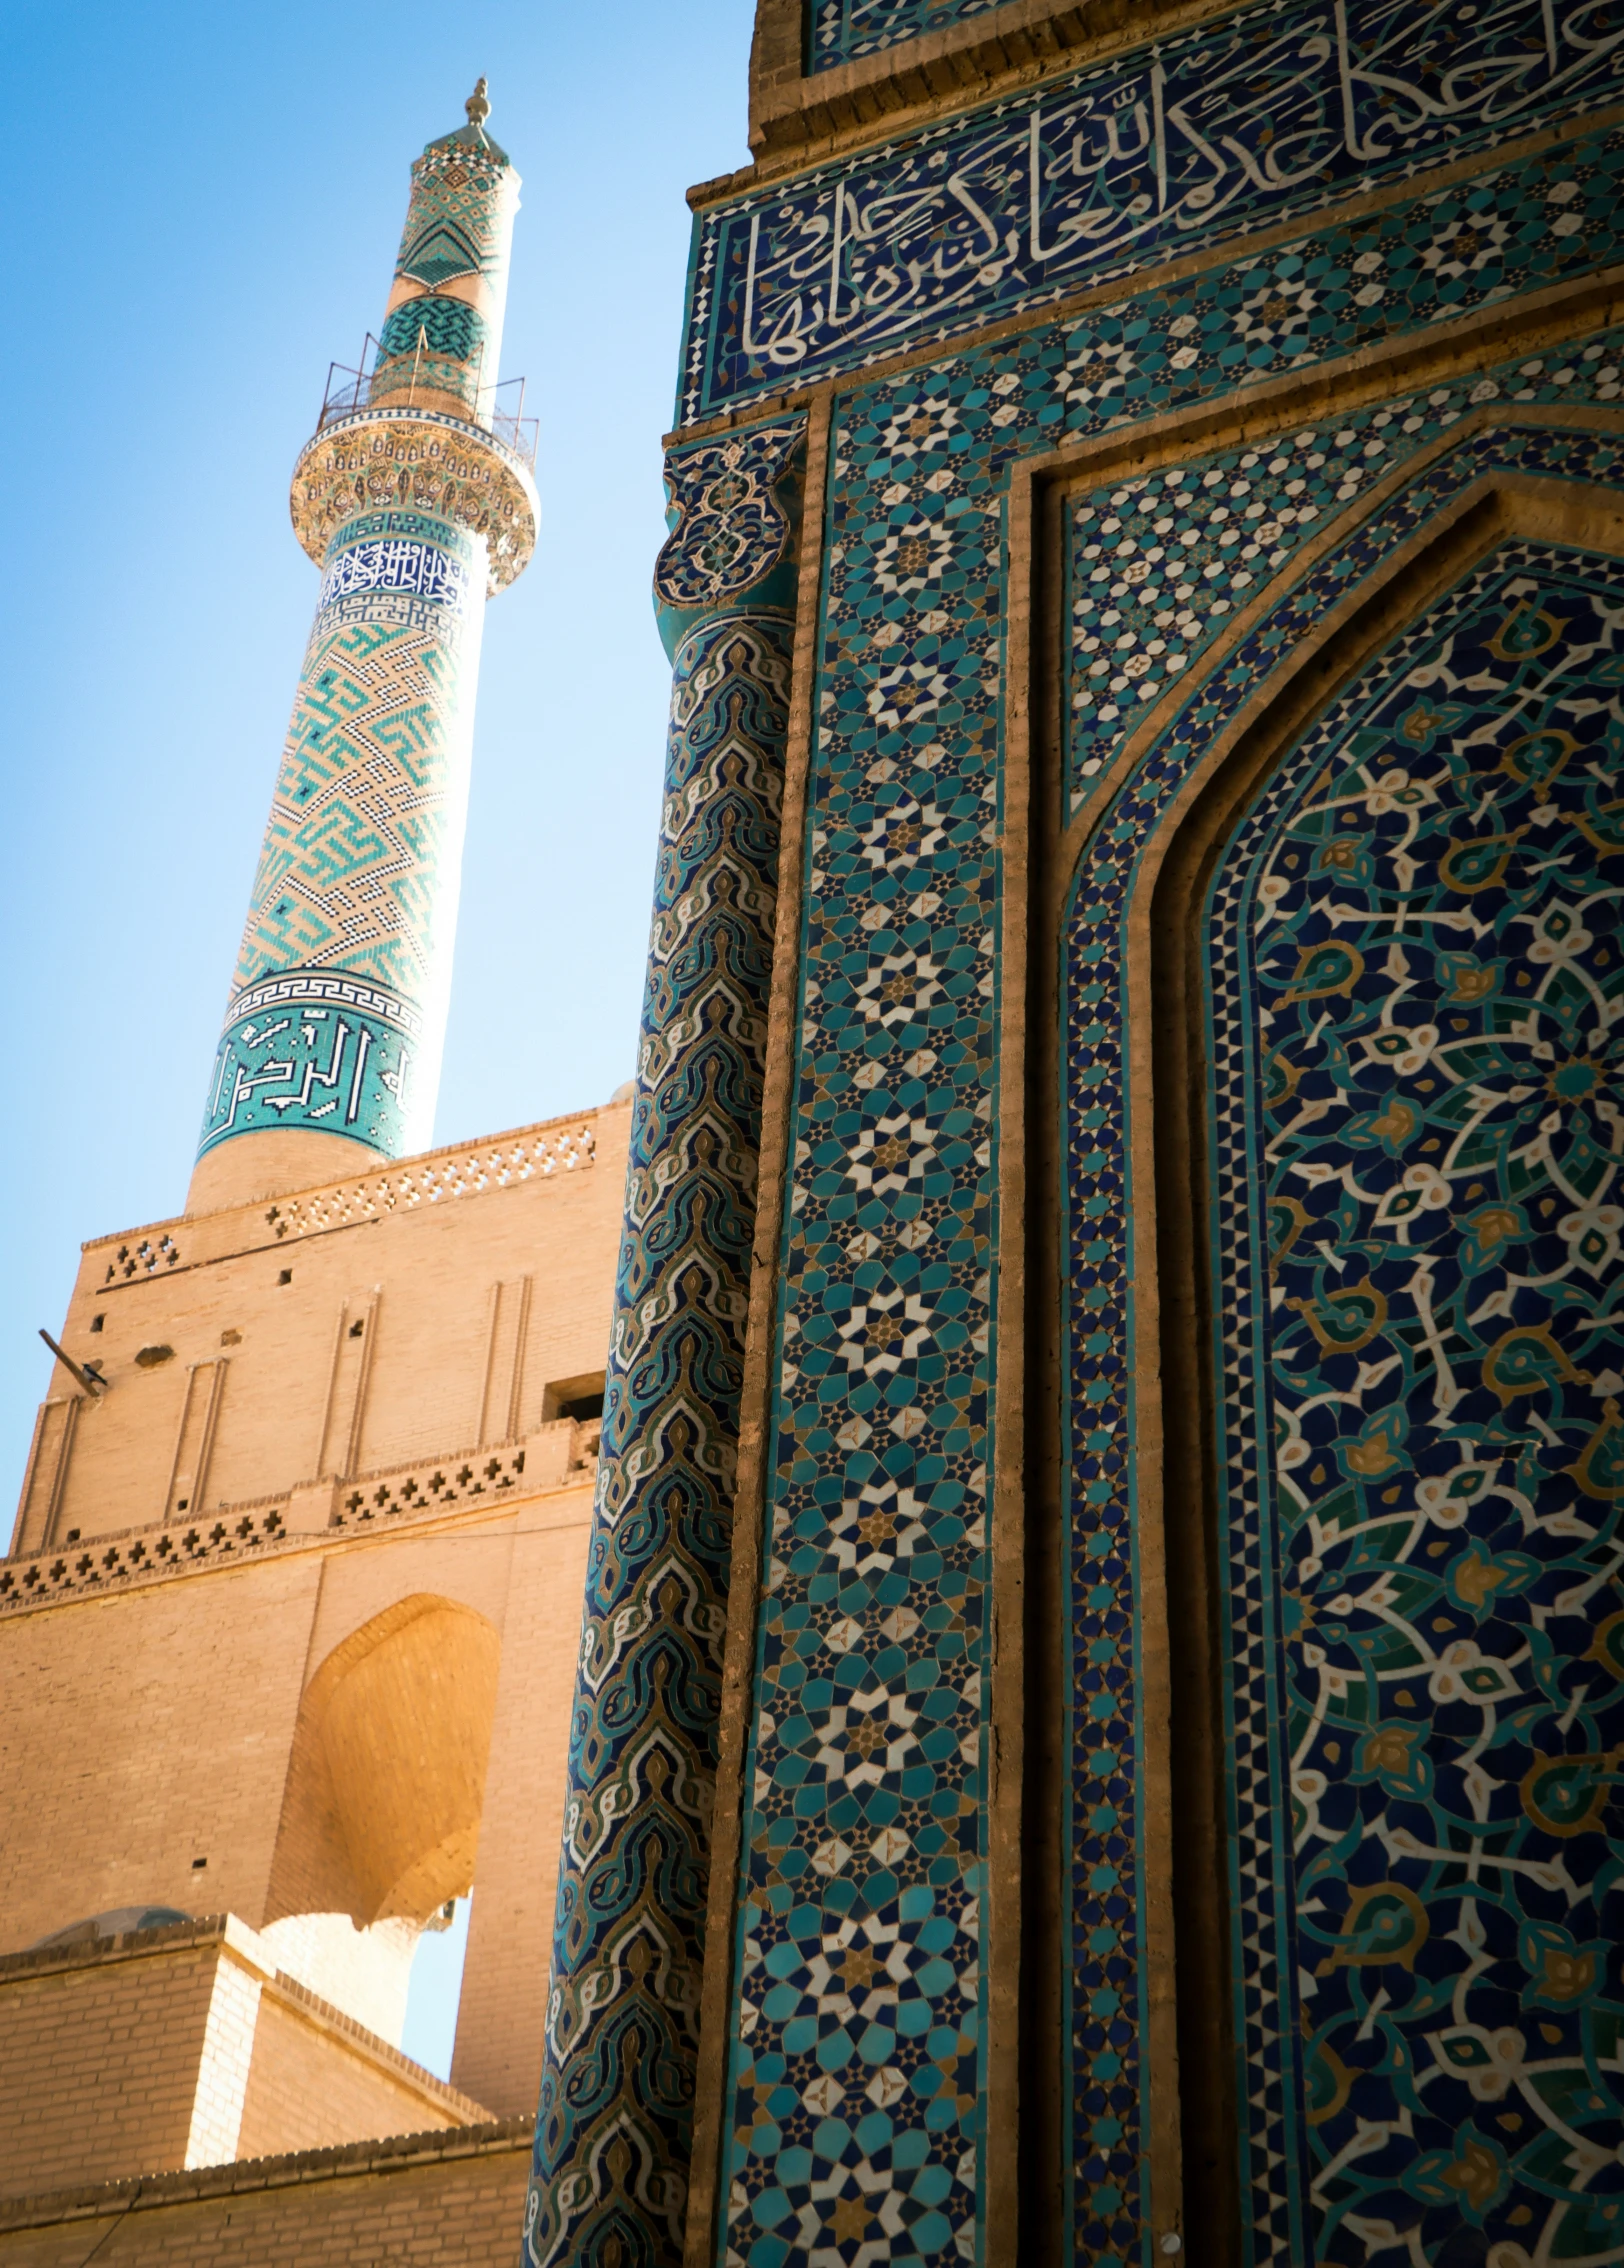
[{"x": 1277, "y": 110}]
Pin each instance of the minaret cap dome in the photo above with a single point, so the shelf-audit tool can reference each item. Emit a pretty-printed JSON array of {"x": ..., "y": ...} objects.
[{"x": 473, "y": 136}]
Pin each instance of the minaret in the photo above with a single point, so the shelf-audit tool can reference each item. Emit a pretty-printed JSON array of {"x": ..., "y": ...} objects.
[{"x": 416, "y": 501}]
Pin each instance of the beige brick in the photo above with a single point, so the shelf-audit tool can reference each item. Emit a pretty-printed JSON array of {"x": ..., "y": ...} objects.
[
  {"x": 344, "y": 1723},
  {"x": 180, "y": 2047},
  {"x": 362, "y": 2207}
]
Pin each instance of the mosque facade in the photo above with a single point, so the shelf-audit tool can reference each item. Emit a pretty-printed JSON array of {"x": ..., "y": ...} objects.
[
  {"x": 1093, "y": 1445},
  {"x": 1101, "y": 1682}
]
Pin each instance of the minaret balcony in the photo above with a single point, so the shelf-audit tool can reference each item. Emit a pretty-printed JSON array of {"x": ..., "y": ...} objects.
[
  {"x": 444, "y": 384},
  {"x": 462, "y": 453}
]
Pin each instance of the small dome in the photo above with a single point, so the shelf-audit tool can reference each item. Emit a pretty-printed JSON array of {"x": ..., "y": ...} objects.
[{"x": 118, "y": 1921}]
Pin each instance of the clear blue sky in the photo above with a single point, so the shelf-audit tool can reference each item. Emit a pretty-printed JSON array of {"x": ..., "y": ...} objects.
[
  {"x": 203, "y": 208},
  {"x": 430, "y": 2032}
]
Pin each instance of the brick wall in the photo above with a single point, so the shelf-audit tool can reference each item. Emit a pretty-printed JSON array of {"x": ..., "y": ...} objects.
[
  {"x": 427, "y": 2200},
  {"x": 228, "y": 2050},
  {"x": 316, "y": 2082},
  {"x": 316, "y": 1337},
  {"x": 99, "y": 2062},
  {"x": 138, "y": 1734},
  {"x": 504, "y": 1979},
  {"x": 180, "y": 2047},
  {"x": 153, "y": 1687},
  {"x": 183, "y": 1701}
]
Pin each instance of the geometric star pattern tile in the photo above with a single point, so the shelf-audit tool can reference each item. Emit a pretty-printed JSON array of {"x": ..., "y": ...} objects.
[{"x": 887, "y": 1303}]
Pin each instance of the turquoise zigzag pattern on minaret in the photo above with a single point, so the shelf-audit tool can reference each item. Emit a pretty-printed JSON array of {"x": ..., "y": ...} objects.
[
  {"x": 338, "y": 1003},
  {"x": 358, "y": 870}
]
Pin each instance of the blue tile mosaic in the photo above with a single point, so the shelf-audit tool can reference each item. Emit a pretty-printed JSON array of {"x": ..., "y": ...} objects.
[
  {"x": 855, "y": 2083},
  {"x": 338, "y": 1003},
  {"x": 614, "y": 2130},
  {"x": 1416, "y": 966},
  {"x": 1110, "y": 2202},
  {"x": 856, "y": 2076},
  {"x": 902, "y": 886},
  {"x": 1162, "y": 562},
  {"x": 843, "y": 31},
  {"x": 1266, "y": 115},
  {"x": 337, "y": 1011}
]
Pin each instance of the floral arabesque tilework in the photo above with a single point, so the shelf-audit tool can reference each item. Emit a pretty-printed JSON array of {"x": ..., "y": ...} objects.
[
  {"x": 888, "y": 1294},
  {"x": 1416, "y": 984},
  {"x": 1105, "y": 1956},
  {"x": 1163, "y": 560}
]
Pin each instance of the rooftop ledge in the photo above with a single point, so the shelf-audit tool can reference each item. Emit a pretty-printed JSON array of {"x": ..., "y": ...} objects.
[
  {"x": 248, "y": 1949},
  {"x": 551, "y": 1147},
  {"x": 559, "y": 1460},
  {"x": 396, "y": 2153}
]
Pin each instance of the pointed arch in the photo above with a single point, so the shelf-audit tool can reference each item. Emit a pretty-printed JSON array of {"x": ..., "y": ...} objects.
[
  {"x": 1144, "y": 1502},
  {"x": 381, "y": 1811}
]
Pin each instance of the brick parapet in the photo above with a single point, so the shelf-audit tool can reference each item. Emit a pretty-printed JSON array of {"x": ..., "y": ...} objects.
[
  {"x": 258, "y": 1528},
  {"x": 326, "y": 2017},
  {"x": 132, "y": 1945},
  {"x": 301, "y": 2168},
  {"x": 245, "y": 1947},
  {"x": 550, "y": 1147},
  {"x": 244, "y": 1360}
]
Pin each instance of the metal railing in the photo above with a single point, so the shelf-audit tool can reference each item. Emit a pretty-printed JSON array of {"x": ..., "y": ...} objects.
[
  {"x": 511, "y": 427},
  {"x": 498, "y": 408}
]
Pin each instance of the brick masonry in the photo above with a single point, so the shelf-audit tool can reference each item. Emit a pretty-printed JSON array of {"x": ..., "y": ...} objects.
[
  {"x": 420, "y": 2198},
  {"x": 195, "y": 2050},
  {"x": 174, "y": 1708}
]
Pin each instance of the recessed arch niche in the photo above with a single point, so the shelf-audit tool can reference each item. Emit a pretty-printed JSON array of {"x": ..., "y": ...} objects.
[
  {"x": 381, "y": 1810},
  {"x": 1379, "y": 1252}
]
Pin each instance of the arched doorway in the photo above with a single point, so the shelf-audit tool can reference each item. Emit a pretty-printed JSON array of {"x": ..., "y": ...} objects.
[{"x": 1275, "y": 1987}]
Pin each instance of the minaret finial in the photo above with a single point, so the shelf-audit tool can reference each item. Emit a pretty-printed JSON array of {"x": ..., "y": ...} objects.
[{"x": 478, "y": 105}]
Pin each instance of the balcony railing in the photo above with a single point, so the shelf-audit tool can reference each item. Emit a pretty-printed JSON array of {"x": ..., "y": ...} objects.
[{"x": 400, "y": 381}]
